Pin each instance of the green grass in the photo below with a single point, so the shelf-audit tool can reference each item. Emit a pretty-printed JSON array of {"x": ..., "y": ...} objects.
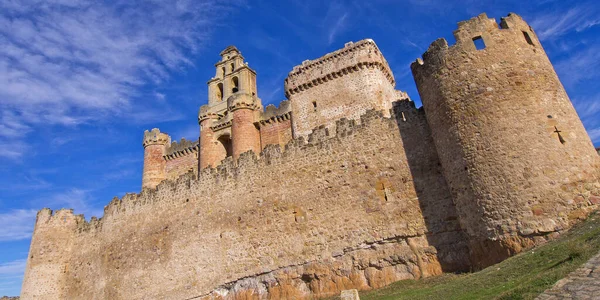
[{"x": 523, "y": 276}]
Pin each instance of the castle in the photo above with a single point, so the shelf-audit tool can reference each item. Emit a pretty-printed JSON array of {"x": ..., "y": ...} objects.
[{"x": 344, "y": 185}]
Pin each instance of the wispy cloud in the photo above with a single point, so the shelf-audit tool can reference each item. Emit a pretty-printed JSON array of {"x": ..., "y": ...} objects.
[
  {"x": 11, "y": 275},
  {"x": 580, "y": 65},
  {"x": 79, "y": 200},
  {"x": 17, "y": 224},
  {"x": 70, "y": 62},
  {"x": 337, "y": 27},
  {"x": 335, "y": 20},
  {"x": 553, "y": 25}
]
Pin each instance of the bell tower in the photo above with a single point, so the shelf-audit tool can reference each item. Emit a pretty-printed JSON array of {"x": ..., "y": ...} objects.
[
  {"x": 227, "y": 123},
  {"x": 233, "y": 75}
]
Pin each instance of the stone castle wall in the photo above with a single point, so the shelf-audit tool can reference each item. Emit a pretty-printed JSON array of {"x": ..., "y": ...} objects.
[
  {"x": 294, "y": 223},
  {"x": 511, "y": 144},
  {"x": 496, "y": 161},
  {"x": 341, "y": 84}
]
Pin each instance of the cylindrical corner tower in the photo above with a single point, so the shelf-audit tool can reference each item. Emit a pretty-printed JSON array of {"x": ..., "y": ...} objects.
[
  {"x": 155, "y": 144},
  {"x": 509, "y": 140},
  {"x": 245, "y": 135},
  {"x": 212, "y": 149}
]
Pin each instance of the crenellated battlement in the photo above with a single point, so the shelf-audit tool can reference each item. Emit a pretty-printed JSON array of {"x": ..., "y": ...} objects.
[
  {"x": 276, "y": 114},
  {"x": 230, "y": 169},
  {"x": 512, "y": 31},
  {"x": 155, "y": 137},
  {"x": 346, "y": 182},
  {"x": 59, "y": 218},
  {"x": 352, "y": 58},
  {"x": 181, "y": 148}
]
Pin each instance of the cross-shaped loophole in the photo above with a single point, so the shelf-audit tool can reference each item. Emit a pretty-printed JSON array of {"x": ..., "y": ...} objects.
[{"x": 560, "y": 138}]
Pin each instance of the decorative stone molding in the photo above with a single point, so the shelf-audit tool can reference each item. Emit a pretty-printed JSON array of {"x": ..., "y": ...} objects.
[
  {"x": 155, "y": 137},
  {"x": 183, "y": 148},
  {"x": 353, "y": 57},
  {"x": 242, "y": 101},
  {"x": 205, "y": 113}
]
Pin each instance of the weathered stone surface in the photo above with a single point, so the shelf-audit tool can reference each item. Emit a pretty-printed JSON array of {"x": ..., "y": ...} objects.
[
  {"x": 512, "y": 147},
  {"x": 582, "y": 284},
  {"x": 369, "y": 191},
  {"x": 349, "y": 295}
]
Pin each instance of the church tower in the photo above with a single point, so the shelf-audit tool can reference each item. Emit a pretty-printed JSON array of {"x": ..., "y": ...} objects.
[{"x": 227, "y": 123}]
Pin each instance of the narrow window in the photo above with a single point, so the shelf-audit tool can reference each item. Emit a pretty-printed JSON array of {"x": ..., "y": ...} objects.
[
  {"x": 479, "y": 44},
  {"x": 528, "y": 38},
  {"x": 314, "y": 103},
  {"x": 220, "y": 91},
  {"x": 223, "y": 70},
  {"x": 235, "y": 87},
  {"x": 232, "y": 67}
]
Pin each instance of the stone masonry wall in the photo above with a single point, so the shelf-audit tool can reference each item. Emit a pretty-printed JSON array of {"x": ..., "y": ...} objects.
[
  {"x": 341, "y": 84},
  {"x": 181, "y": 157},
  {"x": 180, "y": 165},
  {"x": 517, "y": 158},
  {"x": 340, "y": 211},
  {"x": 275, "y": 133}
]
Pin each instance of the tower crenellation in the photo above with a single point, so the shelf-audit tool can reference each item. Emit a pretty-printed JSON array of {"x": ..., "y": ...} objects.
[
  {"x": 345, "y": 181},
  {"x": 488, "y": 148}
]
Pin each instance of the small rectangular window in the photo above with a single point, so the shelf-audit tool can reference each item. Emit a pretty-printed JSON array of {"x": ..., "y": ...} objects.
[
  {"x": 479, "y": 44},
  {"x": 528, "y": 38},
  {"x": 314, "y": 103}
]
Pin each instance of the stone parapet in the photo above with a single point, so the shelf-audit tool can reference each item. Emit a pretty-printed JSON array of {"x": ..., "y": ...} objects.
[
  {"x": 243, "y": 101},
  {"x": 181, "y": 148},
  {"x": 155, "y": 137},
  {"x": 353, "y": 57}
]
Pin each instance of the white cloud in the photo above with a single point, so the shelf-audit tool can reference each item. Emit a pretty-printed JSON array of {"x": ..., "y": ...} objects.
[
  {"x": 68, "y": 62},
  {"x": 11, "y": 275},
  {"x": 553, "y": 25},
  {"x": 594, "y": 134},
  {"x": 77, "y": 199},
  {"x": 12, "y": 267},
  {"x": 580, "y": 65},
  {"x": 17, "y": 224},
  {"x": 337, "y": 27}
]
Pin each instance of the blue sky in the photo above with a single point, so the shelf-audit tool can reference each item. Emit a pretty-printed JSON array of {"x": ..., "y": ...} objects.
[{"x": 80, "y": 80}]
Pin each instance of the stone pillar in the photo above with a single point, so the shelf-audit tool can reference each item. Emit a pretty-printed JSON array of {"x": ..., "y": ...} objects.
[
  {"x": 155, "y": 144},
  {"x": 244, "y": 134}
]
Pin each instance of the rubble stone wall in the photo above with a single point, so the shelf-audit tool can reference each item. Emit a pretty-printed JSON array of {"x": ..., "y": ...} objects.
[{"x": 337, "y": 212}]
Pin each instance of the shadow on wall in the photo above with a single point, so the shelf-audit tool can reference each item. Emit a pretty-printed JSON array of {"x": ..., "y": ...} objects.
[{"x": 441, "y": 219}]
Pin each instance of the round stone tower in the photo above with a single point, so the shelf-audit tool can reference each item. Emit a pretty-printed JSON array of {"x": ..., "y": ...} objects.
[
  {"x": 245, "y": 109},
  {"x": 510, "y": 142},
  {"x": 155, "y": 144}
]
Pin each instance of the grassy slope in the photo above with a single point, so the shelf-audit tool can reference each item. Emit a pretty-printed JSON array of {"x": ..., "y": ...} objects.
[{"x": 523, "y": 276}]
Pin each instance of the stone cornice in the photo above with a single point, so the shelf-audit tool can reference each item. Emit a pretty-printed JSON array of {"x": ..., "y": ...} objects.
[
  {"x": 221, "y": 125},
  {"x": 155, "y": 137},
  {"x": 353, "y": 57},
  {"x": 333, "y": 75},
  {"x": 242, "y": 101},
  {"x": 276, "y": 119},
  {"x": 182, "y": 152}
]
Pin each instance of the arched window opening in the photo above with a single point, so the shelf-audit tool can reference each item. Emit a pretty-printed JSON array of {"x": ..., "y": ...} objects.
[
  {"x": 235, "y": 86},
  {"x": 223, "y": 71},
  {"x": 232, "y": 67},
  {"x": 225, "y": 140},
  {"x": 220, "y": 92}
]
